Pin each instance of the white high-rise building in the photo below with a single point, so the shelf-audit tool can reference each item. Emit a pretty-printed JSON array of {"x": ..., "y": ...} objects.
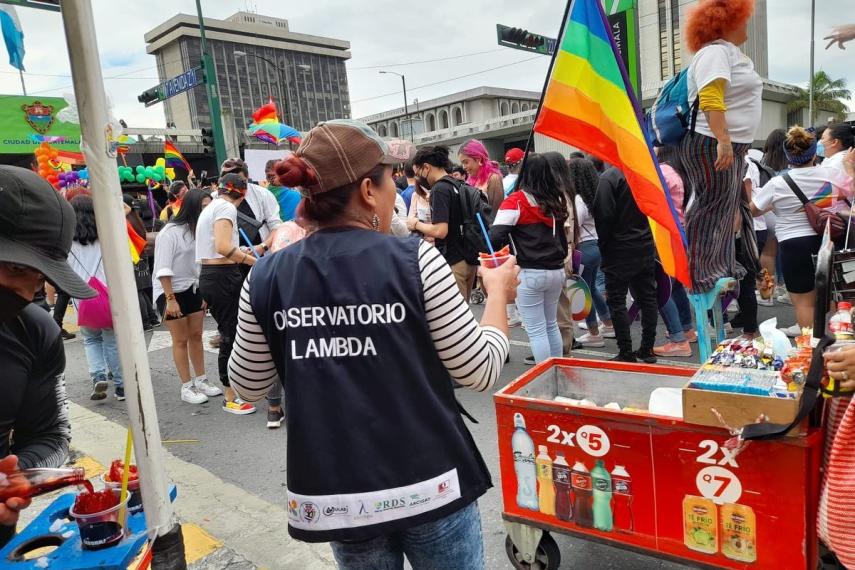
[{"x": 661, "y": 48}]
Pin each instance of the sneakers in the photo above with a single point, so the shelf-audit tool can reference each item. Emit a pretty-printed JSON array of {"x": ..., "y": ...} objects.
[
  {"x": 529, "y": 359},
  {"x": 785, "y": 298},
  {"x": 591, "y": 341},
  {"x": 582, "y": 325},
  {"x": 274, "y": 418},
  {"x": 514, "y": 322},
  {"x": 67, "y": 335},
  {"x": 624, "y": 357},
  {"x": 691, "y": 336},
  {"x": 190, "y": 393},
  {"x": 204, "y": 387},
  {"x": 120, "y": 393},
  {"x": 646, "y": 356},
  {"x": 673, "y": 349},
  {"x": 793, "y": 331},
  {"x": 607, "y": 332},
  {"x": 238, "y": 407},
  {"x": 99, "y": 388}
]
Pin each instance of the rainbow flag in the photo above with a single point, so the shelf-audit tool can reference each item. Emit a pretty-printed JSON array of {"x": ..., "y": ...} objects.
[
  {"x": 589, "y": 104},
  {"x": 174, "y": 159},
  {"x": 136, "y": 243}
]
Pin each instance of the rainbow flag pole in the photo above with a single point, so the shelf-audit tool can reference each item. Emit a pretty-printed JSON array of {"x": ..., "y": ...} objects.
[{"x": 588, "y": 102}]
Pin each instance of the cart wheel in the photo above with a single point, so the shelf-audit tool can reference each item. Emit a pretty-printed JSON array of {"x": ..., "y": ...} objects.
[
  {"x": 477, "y": 297},
  {"x": 548, "y": 557}
]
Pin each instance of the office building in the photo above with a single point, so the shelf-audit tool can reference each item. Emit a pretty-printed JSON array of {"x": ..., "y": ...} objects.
[
  {"x": 661, "y": 48},
  {"x": 256, "y": 57}
]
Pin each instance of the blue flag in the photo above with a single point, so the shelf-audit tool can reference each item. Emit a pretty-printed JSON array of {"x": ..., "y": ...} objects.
[{"x": 13, "y": 36}]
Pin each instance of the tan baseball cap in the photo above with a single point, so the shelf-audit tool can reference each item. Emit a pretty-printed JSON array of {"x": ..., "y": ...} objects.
[{"x": 341, "y": 152}]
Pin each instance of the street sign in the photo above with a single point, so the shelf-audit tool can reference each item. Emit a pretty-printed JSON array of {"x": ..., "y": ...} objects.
[
  {"x": 518, "y": 38},
  {"x": 181, "y": 83}
]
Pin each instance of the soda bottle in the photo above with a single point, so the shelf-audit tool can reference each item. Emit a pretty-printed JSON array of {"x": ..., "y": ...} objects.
[
  {"x": 545, "y": 488},
  {"x": 524, "y": 466},
  {"x": 602, "y": 497},
  {"x": 26, "y": 483},
  {"x": 840, "y": 324},
  {"x": 583, "y": 505},
  {"x": 622, "y": 499},
  {"x": 563, "y": 489}
]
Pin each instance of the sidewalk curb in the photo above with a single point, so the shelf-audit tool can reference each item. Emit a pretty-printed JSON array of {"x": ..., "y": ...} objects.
[{"x": 246, "y": 524}]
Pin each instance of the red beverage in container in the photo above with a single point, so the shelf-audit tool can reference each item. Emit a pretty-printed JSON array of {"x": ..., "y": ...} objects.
[
  {"x": 583, "y": 506},
  {"x": 563, "y": 488},
  {"x": 26, "y": 483},
  {"x": 622, "y": 499}
]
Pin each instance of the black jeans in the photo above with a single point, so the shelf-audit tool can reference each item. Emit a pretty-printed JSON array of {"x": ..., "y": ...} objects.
[
  {"x": 220, "y": 287},
  {"x": 747, "y": 316},
  {"x": 61, "y": 306},
  {"x": 639, "y": 277}
]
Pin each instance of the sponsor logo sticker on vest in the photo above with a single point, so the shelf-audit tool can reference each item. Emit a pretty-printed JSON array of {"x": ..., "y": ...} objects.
[{"x": 319, "y": 512}]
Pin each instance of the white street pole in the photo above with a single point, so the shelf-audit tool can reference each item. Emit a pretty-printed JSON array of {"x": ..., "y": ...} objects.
[
  {"x": 96, "y": 132},
  {"x": 812, "y": 42}
]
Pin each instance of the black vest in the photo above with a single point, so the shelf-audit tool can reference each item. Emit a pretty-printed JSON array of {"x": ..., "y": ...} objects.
[{"x": 376, "y": 443}]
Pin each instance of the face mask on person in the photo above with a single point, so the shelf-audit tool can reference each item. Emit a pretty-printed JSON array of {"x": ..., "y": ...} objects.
[
  {"x": 820, "y": 149},
  {"x": 10, "y": 304},
  {"x": 423, "y": 182}
]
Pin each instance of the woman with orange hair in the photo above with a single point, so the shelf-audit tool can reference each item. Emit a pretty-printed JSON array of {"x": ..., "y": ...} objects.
[{"x": 728, "y": 92}]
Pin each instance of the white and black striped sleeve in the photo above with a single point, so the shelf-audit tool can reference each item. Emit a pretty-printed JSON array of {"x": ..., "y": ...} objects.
[
  {"x": 472, "y": 354},
  {"x": 251, "y": 369}
]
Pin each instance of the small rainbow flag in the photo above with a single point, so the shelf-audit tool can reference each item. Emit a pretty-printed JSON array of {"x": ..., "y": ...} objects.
[
  {"x": 266, "y": 113},
  {"x": 589, "y": 104},
  {"x": 174, "y": 159},
  {"x": 825, "y": 197},
  {"x": 136, "y": 243}
]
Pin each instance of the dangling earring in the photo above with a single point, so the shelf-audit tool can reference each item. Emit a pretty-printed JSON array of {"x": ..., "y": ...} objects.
[{"x": 375, "y": 223}]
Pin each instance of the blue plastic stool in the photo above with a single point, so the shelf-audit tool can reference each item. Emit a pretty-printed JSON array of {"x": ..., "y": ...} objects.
[
  {"x": 702, "y": 303},
  {"x": 69, "y": 554}
]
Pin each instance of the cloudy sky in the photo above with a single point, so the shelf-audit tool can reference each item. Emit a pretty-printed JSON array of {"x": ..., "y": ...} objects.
[{"x": 399, "y": 35}]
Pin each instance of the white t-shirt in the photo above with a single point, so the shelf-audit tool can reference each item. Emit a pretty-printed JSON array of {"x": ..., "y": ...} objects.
[
  {"x": 836, "y": 161},
  {"x": 509, "y": 183},
  {"x": 742, "y": 95},
  {"x": 826, "y": 187},
  {"x": 174, "y": 256},
  {"x": 587, "y": 229},
  {"x": 753, "y": 174},
  {"x": 218, "y": 209}
]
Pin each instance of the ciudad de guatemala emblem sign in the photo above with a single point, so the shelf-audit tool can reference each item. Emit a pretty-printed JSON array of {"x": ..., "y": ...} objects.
[{"x": 39, "y": 116}]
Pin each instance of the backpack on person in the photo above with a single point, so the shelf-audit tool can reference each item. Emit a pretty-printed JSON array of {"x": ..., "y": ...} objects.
[
  {"x": 95, "y": 312},
  {"x": 672, "y": 116},
  {"x": 472, "y": 201},
  {"x": 766, "y": 173}
]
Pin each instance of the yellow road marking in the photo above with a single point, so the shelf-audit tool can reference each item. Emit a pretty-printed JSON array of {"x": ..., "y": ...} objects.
[{"x": 197, "y": 543}]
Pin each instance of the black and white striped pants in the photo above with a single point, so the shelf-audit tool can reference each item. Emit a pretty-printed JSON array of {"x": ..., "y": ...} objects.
[{"x": 710, "y": 220}]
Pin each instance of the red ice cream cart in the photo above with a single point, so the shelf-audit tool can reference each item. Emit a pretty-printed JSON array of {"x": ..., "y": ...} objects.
[{"x": 650, "y": 483}]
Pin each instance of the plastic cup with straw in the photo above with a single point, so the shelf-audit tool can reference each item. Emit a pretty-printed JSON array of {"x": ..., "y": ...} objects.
[
  {"x": 487, "y": 239},
  {"x": 248, "y": 242}
]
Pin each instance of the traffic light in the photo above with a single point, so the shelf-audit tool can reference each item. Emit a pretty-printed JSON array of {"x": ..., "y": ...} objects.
[
  {"x": 150, "y": 96},
  {"x": 519, "y": 38},
  {"x": 208, "y": 142}
]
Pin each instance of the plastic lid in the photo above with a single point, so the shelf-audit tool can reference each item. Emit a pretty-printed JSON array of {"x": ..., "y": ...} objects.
[
  {"x": 519, "y": 420},
  {"x": 542, "y": 449},
  {"x": 844, "y": 306}
]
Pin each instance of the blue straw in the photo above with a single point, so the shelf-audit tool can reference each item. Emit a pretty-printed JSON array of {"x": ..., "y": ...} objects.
[
  {"x": 487, "y": 237},
  {"x": 248, "y": 242}
]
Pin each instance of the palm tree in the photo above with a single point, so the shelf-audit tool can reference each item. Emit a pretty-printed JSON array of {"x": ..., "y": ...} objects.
[{"x": 828, "y": 95}]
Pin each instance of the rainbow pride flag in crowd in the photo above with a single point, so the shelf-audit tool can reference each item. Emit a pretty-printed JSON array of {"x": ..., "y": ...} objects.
[
  {"x": 136, "y": 243},
  {"x": 589, "y": 104},
  {"x": 174, "y": 159}
]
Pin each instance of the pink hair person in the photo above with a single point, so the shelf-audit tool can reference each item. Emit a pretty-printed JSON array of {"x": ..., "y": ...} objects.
[{"x": 476, "y": 150}]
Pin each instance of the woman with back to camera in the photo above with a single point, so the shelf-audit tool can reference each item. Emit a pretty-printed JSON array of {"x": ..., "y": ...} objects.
[
  {"x": 796, "y": 237},
  {"x": 218, "y": 250},
  {"x": 837, "y": 138},
  {"x": 484, "y": 174},
  {"x": 330, "y": 317},
  {"x": 99, "y": 344},
  {"x": 723, "y": 80},
  {"x": 175, "y": 283},
  {"x": 533, "y": 218}
]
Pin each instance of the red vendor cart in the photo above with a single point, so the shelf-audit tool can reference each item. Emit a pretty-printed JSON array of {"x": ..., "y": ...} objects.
[{"x": 643, "y": 482}]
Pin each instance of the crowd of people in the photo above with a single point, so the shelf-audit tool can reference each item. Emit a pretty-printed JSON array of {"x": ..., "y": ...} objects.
[{"x": 324, "y": 274}]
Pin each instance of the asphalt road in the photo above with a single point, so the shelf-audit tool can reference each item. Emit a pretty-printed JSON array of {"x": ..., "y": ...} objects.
[{"x": 242, "y": 451}]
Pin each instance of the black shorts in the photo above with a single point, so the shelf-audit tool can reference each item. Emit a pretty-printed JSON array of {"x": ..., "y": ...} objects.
[
  {"x": 798, "y": 265},
  {"x": 189, "y": 302}
]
